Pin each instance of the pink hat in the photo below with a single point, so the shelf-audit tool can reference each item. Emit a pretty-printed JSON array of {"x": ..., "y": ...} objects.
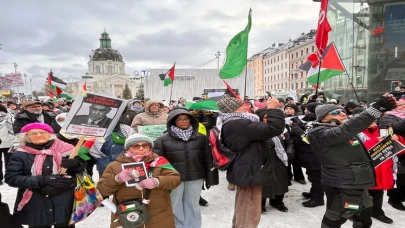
[{"x": 41, "y": 126}]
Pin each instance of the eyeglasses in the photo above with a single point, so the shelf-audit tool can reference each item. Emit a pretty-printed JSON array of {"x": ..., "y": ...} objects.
[
  {"x": 183, "y": 120},
  {"x": 138, "y": 146},
  {"x": 335, "y": 112},
  {"x": 39, "y": 133}
]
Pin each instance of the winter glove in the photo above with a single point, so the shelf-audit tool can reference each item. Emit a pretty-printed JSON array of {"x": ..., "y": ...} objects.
[
  {"x": 150, "y": 183},
  {"x": 384, "y": 104},
  {"x": 73, "y": 166},
  {"x": 296, "y": 121},
  {"x": 55, "y": 184},
  {"x": 126, "y": 175}
]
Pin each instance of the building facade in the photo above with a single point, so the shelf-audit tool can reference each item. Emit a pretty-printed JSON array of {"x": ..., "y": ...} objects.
[
  {"x": 369, "y": 36},
  {"x": 106, "y": 72},
  {"x": 298, "y": 53},
  {"x": 256, "y": 64},
  {"x": 189, "y": 83},
  {"x": 276, "y": 70}
]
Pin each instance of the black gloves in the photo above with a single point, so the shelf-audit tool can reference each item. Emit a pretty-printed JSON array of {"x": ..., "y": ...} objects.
[
  {"x": 384, "y": 104},
  {"x": 73, "y": 166},
  {"x": 55, "y": 184},
  {"x": 296, "y": 121}
]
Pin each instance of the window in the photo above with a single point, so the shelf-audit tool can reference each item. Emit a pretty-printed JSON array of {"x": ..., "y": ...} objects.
[
  {"x": 281, "y": 66},
  {"x": 292, "y": 56},
  {"x": 307, "y": 51},
  {"x": 302, "y": 75},
  {"x": 286, "y": 65},
  {"x": 281, "y": 57},
  {"x": 296, "y": 85},
  {"x": 109, "y": 69},
  {"x": 278, "y": 58},
  {"x": 302, "y": 52},
  {"x": 313, "y": 48},
  {"x": 296, "y": 54},
  {"x": 97, "y": 69},
  {"x": 302, "y": 84},
  {"x": 361, "y": 35},
  {"x": 120, "y": 70}
]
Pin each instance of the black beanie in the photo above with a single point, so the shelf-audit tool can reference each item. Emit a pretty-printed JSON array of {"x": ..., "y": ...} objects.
[
  {"x": 358, "y": 110},
  {"x": 295, "y": 107},
  {"x": 261, "y": 112},
  {"x": 312, "y": 106}
]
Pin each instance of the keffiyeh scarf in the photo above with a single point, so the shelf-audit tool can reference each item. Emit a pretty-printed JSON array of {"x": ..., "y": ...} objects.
[
  {"x": 280, "y": 151},
  {"x": 226, "y": 117},
  {"x": 184, "y": 134}
]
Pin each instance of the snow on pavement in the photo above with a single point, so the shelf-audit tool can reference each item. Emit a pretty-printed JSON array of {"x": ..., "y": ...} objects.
[{"x": 220, "y": 210}]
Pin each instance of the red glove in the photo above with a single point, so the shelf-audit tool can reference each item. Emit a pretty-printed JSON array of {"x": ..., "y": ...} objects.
[{"x": 150, "y": 183}]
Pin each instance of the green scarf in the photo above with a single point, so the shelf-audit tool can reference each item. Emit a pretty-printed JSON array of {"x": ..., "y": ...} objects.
[{"x": 118, "y": 138}]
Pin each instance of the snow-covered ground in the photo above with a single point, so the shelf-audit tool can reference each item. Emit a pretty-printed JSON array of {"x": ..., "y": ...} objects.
[{"x": 220, "y": 210}]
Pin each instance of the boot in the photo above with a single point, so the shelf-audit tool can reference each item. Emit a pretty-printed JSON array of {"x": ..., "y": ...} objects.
[
  {"x": 306, "y": 195},
  {"x": 281, "y": 208},
  {"x": 303, "y": 182},
  {"x": 231, "y": 187},
  {"x": 203, "y": 202},
  {"x": 383, "y": 219},
  {"x": 264, "y": 211},
  {"x": 313, "y": 203},
  {"x": 396, "y": 205}
]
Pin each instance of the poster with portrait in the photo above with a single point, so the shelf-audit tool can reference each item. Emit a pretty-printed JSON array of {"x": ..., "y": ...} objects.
[
  {"x": 94, "y": 115},
  {"x": 138, "y": 166}
]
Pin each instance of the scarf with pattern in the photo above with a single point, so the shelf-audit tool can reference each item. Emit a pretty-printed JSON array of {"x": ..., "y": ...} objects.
[
  {"x": 226, "y": 117},
  {"x": 183, "y": 134}
]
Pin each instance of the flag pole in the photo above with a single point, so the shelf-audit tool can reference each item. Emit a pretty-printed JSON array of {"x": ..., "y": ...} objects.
[
  {"x": 348, "y": 77},
  {"x": 171, "y": 92},
  {"x": 319, "y": 74},
  {"x": 245, "y": 81}
]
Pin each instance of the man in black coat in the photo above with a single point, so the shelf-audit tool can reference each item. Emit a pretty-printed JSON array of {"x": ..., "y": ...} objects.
[
  {"x": 33, "y": 113},
  {"x": 245, "y": 135},
  {"x": 347, "y": 169},
  {"x": 97, "y": 117},
  {"x": 307, "y": 158}
]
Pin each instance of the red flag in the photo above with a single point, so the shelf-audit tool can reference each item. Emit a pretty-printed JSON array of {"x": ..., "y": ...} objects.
[
  {"x": 230, "y": 91},
  {"x": 51, "y": 95},
  {"x": 85, "y": 86},
  {"x": 50, "y": 78},
  {"x": 324, "y": 28}
]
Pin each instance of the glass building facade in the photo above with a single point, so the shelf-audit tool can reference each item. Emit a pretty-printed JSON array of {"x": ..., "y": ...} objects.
[{"x": 370, "y": 37}]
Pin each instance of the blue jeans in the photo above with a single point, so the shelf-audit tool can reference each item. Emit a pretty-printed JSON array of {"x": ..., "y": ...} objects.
[{"x": 185, "y": 202}]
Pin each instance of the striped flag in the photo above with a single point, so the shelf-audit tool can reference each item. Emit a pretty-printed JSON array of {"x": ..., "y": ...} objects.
[{"x": 169, "y": 76}]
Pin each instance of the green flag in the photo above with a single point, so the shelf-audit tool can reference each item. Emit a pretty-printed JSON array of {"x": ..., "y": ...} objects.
[{"x": 236, "y": 53}]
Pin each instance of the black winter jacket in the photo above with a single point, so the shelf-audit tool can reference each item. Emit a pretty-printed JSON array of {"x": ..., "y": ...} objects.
[
  {"x": 23, "y": 118},
  {"x": 41, "y": 209},
  {"x": 303, "y": 151},
  {"x": 252, "y": 165},
  {"x": 279, "y": 185},
  {"x": 345, "y": 164},
  {"x": 192, "y": 158},
  {"x": 398, "y": 126}
]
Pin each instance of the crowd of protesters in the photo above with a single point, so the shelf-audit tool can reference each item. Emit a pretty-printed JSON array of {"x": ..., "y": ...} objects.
[{"x": 274, "y": 138}]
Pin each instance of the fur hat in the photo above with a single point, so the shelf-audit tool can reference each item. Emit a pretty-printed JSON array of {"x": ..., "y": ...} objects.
[
  {"x": 322, "y": 110},
  {"x": 228, "y": 104},
  {"x": 136, "y": 138},
  {"x": 41, "y": 126}
]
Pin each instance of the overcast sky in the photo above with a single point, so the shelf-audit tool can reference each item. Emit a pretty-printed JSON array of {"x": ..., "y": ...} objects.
[{"x": 60, "y": 34}]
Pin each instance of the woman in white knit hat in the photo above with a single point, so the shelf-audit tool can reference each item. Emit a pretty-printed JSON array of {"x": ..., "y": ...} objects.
[{"x": 162, "y": 178}]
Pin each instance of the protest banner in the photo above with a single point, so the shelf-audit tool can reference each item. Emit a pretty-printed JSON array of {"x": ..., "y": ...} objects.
[
  {"x": 15, "y": 79},
  {"x": 93, "y": 115},
  {"x": 138, "y": 166},
  {"x": 152, "y": 131},
  {"x": 384, "y": 150}
]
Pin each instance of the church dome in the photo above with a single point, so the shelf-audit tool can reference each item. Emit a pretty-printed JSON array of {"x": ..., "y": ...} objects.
[{"x": 105, "y": 52}]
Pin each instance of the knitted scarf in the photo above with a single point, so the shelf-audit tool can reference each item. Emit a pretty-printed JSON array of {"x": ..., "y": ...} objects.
[
  {"x": 280, "y": 151},
  {"x": 183, "y": 134},
  {"x": 56, "y": 150},
  {"x": 226, "y": 117}
]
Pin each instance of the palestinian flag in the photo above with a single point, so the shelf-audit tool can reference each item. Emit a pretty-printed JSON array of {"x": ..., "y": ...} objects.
[
  {"x": 331, "y": 66},
  {"x": 352, "y": 207},
  {"x": 129, "y": 207},
  {"x": 55, "y": 81},
  {"x": 53, "y": 98},
  {"x": 161, "y": 162},
  {"x": 84, "y": 150},
  {"x": 61, "y": 93},
  {"x": 209, "y": 104},
  {"x": 230, "y": 91},
  {"x": 169, "y": 76}
]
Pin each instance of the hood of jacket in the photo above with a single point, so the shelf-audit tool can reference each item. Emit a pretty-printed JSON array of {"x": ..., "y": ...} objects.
[
  {"x": 180, "y": 111},
  {"x": 124, "y": 159},
  {"x": 150, "y": 102}
]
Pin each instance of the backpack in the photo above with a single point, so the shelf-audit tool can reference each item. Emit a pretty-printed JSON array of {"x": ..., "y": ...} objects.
[{"x": 223, "y": 157}]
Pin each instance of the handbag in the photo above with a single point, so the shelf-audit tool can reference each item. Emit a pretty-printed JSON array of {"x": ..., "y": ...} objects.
[{"x": 86, "y": 198}]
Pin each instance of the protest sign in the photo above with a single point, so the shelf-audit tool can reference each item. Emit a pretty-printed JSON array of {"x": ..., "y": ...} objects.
[
  {"x": 152, "y": 131},
  {"x": 94, "y": 115},
  {"x": 384, "y": 150},
  {"x": 138, "y": 166},
  {"x": 15, "y": 79},
  {"x": 288, "y": 119}
]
